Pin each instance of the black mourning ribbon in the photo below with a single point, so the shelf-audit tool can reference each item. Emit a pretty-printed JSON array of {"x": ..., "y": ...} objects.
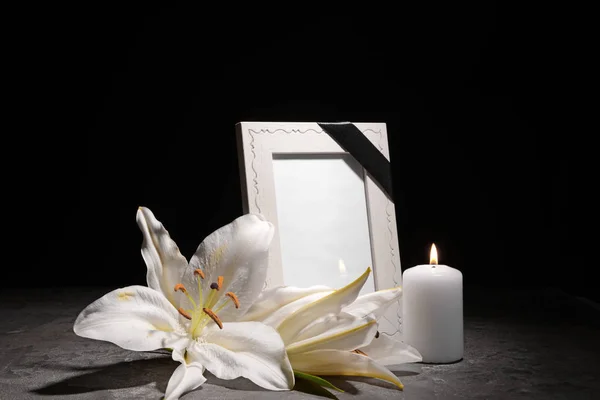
[{"x": 353, "y": 141}]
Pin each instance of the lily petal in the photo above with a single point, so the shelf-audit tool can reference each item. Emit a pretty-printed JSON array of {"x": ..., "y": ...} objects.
[
  {"x": 277, "y": 317},
  {"x": 344, "y": 363},
  {"x": 374, "y": 304},
  {"x": 245, "y": 349},
  {"x": 185, "y": 378},
  {"x": 164, "y": 261},
  {"x": 388, "y": 351},
  {"x": 330, "y": 304},
  {"x": 330, "y": 322},
  {"x": 135, "y": 318},
  {"x": 348, "y": 333},
  {"x": 238, "y": 252},
  {"x": 273, "y": 299}
]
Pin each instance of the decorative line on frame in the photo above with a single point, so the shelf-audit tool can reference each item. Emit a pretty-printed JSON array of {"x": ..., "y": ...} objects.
[
  {"x": 307, "y": 130},
  {"x": 255, "y": 178}
]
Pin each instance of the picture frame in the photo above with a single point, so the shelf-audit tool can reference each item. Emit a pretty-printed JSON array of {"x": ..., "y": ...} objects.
[{"x": 279, "y": 161}]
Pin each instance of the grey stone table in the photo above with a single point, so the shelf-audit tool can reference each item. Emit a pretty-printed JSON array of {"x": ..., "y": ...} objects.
[{"x": 520, "y": 344}]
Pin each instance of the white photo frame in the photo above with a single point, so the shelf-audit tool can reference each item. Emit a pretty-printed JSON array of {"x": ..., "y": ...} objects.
[{"x": 276, "y": 158}]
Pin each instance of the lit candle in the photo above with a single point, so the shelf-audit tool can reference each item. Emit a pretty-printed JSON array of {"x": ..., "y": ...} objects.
[{"x": 432, "y": 303}]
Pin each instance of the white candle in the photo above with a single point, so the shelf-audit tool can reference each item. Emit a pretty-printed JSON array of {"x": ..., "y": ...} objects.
[{"x": 432, "y": 303}]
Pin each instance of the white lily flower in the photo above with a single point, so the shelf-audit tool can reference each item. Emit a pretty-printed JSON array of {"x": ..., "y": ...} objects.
[
  {"x": 193, "y": 308},
  {"x": 334, "y": 332}
]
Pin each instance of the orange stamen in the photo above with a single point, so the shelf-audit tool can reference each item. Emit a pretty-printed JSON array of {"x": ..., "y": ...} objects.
[
  {"x": 219, "y": 282},
  {"x": 180, "y": 287},
  {"x": 362, "y": 353},
  {"x": 200, "y": 273},
  {"x": 184, "y": 313},
  {"x": 214, "y": 317},
  {"x": 233, "y": 297}
]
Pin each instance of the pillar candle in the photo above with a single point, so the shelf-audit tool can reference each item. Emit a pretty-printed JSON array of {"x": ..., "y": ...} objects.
[{"x": 433, "y": 310}]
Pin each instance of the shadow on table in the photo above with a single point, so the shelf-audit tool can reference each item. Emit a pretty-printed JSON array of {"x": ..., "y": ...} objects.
[
  {"x": 131, "y": 374},
  {"x": 115, "y": 376},
  {"x": 137, "y": 373},
  {"x": 233, "y": 384},
  {"x": 124, "y": 375}
]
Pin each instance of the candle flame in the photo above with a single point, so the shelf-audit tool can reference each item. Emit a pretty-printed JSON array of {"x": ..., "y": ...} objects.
[
  {"x": 433, "y": 256},
  {"x": 342, "y": 267}
]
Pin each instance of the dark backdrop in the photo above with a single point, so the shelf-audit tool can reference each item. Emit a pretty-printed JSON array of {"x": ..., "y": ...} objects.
[{"x": 137, "y": 106}]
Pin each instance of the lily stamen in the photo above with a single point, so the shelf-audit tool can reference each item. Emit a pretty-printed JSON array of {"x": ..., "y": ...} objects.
[
  {"x": 201, "y": 318},
  {"x": 184, "y": 313},
  {"x": 200, "y": 294},
  {"x": 213, "y": 316},
  {"x": 218, "y": 284},
  {"x": 211, "y": 297},
  {"x": 199, "y": 272},
  {"x": 234, "y": 298},
  {"x": 182, "y": 289}
]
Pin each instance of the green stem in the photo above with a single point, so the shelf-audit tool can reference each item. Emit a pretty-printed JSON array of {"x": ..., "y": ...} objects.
[{"x": 315, "y": 379}]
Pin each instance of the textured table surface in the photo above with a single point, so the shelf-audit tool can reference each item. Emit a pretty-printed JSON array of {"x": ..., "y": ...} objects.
[{"x": 519, "y": 344}]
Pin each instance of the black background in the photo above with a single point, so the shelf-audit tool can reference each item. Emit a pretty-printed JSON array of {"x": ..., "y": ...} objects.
[{"x": 129, "y": 106}]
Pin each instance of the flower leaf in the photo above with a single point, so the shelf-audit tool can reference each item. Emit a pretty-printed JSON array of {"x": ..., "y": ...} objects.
[{"x": 318, "y": 380}]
